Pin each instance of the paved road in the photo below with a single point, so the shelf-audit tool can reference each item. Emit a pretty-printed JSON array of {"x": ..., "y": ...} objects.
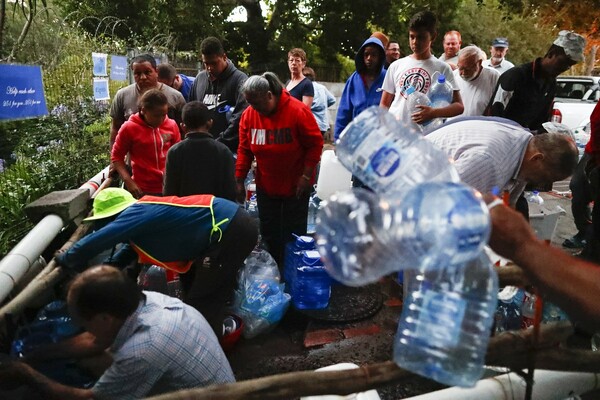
[{"x": 303, "y": 344}]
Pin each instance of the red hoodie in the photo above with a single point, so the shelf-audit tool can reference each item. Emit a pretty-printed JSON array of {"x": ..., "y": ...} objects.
[
  {"x": 283, "y": 144},
  {"x": 593, "y": 146},
  {"x": 148, "y": 148}
]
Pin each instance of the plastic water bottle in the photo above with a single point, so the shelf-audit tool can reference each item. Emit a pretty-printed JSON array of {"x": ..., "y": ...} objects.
[
  {"x": 445, "y": 328},
  {"x": 415, "y": 99},
  {"x": 535, "y": 198},
  {"x": 252, "y": 206},
  {"x": 313, "y": 208},
  {"x": 311, "y": 287},
  {"x": 363, "y": 237},
  {"x": 390, "y": 157},
  {"x": 293, "y": 255},
  {"x": 441, "y": 92},
  {"x": 508, "y": 312},
  {"x": 528, "y": 310}
]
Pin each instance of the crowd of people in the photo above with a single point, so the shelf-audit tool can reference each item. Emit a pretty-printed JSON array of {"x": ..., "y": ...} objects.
[{"x": 184, "y": 146}]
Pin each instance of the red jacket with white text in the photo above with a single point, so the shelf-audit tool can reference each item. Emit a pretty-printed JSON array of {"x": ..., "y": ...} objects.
[{"x": 283, "y": 144}]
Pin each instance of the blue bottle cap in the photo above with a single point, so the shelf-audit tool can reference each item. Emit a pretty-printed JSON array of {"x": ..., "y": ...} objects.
[{"x": 441, "y": 78}]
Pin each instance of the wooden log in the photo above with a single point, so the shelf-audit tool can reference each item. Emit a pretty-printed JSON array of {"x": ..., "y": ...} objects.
[{"x": 510, "y": 349}]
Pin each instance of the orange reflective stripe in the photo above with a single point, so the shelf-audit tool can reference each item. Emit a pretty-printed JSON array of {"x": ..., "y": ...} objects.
[{"x": 177, "y": 266}]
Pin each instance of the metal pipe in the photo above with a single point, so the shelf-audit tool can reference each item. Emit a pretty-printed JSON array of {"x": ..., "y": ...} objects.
[
  {"x": 94, "y": 183},
  {"x": 549, "y": 385},
  {"x": 20, "y": 259}
]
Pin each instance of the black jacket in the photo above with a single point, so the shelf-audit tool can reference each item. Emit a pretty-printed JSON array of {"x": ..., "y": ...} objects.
[
  {"x": 524, "y": 96},
  {"x": 223, "y": 91},
  {"x": 200, "y": 165}
]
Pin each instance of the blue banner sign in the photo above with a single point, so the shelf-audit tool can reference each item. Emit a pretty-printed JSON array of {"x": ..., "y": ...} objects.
[
  {"x": 101, "y": 89},
  {"x": 118, "y": 68},
  {"x": 99, "y": 60},
  {"x": 21, "y": 92}
]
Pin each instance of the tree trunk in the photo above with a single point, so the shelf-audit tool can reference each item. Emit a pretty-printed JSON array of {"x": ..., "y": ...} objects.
[
  {"x": 2, "y": 24},
  {"x": 589, "y": 61},
  {"x": 24, "y": 31}
]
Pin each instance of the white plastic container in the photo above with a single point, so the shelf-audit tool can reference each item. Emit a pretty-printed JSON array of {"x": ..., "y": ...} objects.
[
  {"x": 368, "y": 395},
  {"x": 333, "y": 176},
  {"x": 543, "y": 220}
]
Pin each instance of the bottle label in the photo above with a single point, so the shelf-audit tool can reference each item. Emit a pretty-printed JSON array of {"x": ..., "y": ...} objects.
[
  {"x": 385, "y": 161},
  {"x": 440, "y": 319}
]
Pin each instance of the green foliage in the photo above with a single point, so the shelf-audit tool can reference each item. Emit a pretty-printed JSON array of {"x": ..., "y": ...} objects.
[
  {"x": 57, "y": 152},
  {"x": 528, "y": 38}
]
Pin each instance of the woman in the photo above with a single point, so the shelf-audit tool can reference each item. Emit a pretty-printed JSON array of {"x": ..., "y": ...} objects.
[
  {"x": 147, "y": 137},
  {"x": 299, "y": 86},
  {"x": 283, "y": 136}
]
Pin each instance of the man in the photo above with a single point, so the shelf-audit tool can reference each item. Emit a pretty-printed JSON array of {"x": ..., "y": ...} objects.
[
  {"x": 568, "y": 282},
  {"x": 495, "y": 152},
  {"x": 218, "y": 86},
  {"x": 525, "y": 93},
  {"x": 497, "y": 59},
  {"x": 173, "y": 232},
  {"x": 199, "y": 164},
  {"x": 321, "y": 102},
  {"x": 475, "y": 82},
  {"x": 168, "y": 75},
  {"x": 417, "y": 70},
  {"x": 125, "y": 103},
  {"x": 451, "y": 43},
  {"x": 158, "y": 344},
  {"x": 392, "y": 53}
]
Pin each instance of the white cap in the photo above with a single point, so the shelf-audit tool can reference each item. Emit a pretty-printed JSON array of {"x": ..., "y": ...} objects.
[{"x": 572, "y": 43}]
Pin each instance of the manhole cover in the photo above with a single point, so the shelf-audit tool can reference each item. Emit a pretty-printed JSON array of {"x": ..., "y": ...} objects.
[{"x": 349, "y": 304}]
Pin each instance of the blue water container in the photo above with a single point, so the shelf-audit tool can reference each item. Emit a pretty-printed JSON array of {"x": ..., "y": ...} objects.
[
  {"x": 293, "y": 255},
  {"x": 311, "y": 287}
]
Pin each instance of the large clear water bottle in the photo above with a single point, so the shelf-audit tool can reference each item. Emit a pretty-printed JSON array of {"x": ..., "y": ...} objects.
[
  {"x": 534, "y": 197},
  {"x": 363, "y": 237},
  {"x": 445, "y": 327},
  {"x": 311, "y": 287},
  {"x": 415, "y": 99},
  {"x": 390, "y": 157},
  {"x": 508, "y": 313},
  {"x": 441, "y": 92}
]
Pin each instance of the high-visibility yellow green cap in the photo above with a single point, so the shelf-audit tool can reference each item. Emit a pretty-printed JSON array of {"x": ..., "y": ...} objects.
[{"x": 109, "y": 202}]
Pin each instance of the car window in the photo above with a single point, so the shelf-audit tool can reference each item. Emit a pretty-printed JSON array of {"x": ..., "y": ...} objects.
[{"x": 572, "y": 90}]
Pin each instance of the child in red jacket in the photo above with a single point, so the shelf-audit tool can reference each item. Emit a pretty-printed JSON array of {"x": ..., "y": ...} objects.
[{"x": 147, "y": 137}]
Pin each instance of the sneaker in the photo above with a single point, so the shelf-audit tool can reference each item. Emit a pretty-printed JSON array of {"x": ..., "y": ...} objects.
[{"x": 574, "y": 243}]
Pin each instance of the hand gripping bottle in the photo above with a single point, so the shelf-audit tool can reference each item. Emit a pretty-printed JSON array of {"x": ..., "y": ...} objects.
[
  {"x": 390, "y": 157},
  {"x": 362, "y": 237},
  {"x": 444, "y": 328},
  {"x": 415, "y": 99}
]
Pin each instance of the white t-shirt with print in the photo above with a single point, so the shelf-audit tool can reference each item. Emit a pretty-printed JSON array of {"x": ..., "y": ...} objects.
[
  {"x": 476, "y": 94},
  {"x": 418, "y": 73}
]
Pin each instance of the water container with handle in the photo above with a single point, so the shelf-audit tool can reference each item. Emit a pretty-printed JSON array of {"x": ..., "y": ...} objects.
[{"x": 333, "y": 176}]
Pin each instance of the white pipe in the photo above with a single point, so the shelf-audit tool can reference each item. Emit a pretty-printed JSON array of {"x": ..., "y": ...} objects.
[
  {"x": 94, "y": 183},
  {"x": 549, "y": 385},
  {"x": 20, "y": 259}
]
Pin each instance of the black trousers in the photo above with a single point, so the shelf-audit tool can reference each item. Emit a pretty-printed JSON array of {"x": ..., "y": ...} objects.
[
  {"x": 582, "y": 196},
  {"x": 208, "y": 286},
  {"x": 279, "y": 219}
]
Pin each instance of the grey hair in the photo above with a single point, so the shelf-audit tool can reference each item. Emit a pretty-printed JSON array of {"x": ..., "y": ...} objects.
[
  {"x": 261, "y": 84},
  {"x": 560, "y": 152},
  {"x": 472, "y": 51}
]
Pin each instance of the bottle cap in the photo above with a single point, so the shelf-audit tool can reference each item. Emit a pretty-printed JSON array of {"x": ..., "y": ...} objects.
[{"x": 441, "y": 78}]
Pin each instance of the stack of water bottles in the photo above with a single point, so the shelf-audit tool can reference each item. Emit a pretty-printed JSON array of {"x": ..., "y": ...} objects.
[
  {"x": 51, "y": 325},
  {"x": 305, "y": 276},
  {"x": 420, "y": 219}
]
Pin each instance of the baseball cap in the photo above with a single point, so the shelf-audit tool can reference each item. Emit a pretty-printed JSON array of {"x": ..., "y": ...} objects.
[
  {"x": 109, "y": 202},
  {"x": 572, "y": 43},
  {"x": 500, "y": 42}
]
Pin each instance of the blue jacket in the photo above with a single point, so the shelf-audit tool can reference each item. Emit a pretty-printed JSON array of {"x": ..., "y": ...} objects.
[
  {"x": 170, "y": 232},
  {"x": 355, "y": 97}
]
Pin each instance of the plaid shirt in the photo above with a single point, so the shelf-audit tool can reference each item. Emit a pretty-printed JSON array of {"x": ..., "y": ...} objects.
[{"x": 163, "y": 346}]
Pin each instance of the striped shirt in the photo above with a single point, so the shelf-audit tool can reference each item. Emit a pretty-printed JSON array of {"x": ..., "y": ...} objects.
[
  {"x": 163, "y": 346},
  {"x": 487, "y": 152}
]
